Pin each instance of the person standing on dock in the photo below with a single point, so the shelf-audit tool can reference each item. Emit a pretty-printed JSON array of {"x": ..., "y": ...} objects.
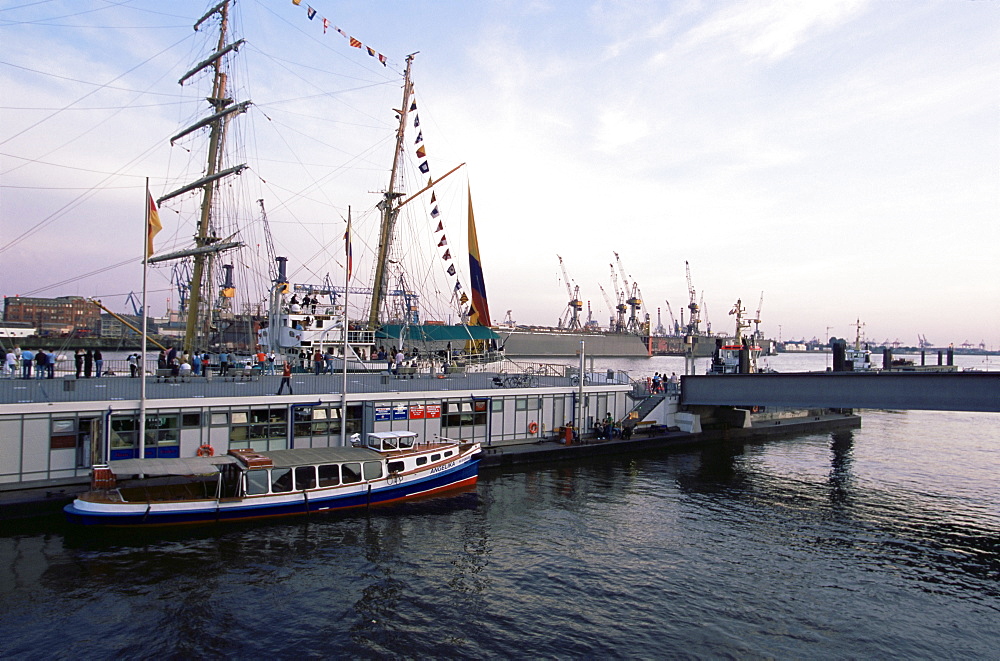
[
  {"x": 78, "y": 362},
  {"x": 27, "y": 358},
  {"x": 133, "y": 365},
  {"x": 317, "y": 362},
  {"x": 286, "y": 379},
  {"x": 98, "y": 361},
  {"x": 88, "y": 364}
]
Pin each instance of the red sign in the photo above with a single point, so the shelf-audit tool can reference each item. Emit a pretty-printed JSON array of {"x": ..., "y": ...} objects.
[
  {"x": 416, "y": 411},
  {"x": 433, "y": 411}
]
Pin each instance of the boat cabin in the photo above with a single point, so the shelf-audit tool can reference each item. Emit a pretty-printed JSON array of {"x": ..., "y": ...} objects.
[{"x": 388, "y": 441}]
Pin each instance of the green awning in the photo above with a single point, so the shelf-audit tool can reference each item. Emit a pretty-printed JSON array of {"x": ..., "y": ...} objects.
[{"x": 436, "y": 333}]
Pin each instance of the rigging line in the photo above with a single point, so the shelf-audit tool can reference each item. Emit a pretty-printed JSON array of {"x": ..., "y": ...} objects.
[
  {"x": 70, "y": 167},
  {"x": 110, "y": 5},
  {"x": 67, "y": 187},
  {"x": 132, "y": 260},
  {"x": 147, "y": 105},
  {"x": 30, "y": 4},
  {"x": 94, "y": 91},
  {"x": 72, "y": 204},
  {"x": 87, "y": 82},
  {"x": 336, "y": 51}
]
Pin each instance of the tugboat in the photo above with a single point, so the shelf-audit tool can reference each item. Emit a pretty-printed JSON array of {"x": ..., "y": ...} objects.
[{"x": 739, "y": 357}]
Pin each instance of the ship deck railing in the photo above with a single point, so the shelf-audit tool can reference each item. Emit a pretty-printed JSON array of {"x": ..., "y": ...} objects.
[{"x": 123, "y": 388}]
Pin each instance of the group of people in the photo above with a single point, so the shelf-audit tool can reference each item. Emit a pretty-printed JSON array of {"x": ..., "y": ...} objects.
[
  {"x": 659, "y": 383},
  {"x": 182, "y": 363},
  {"x": 42, "y": 362},
  {"x": 308, "y": 303},
  {"x": 86, "y": 361}
]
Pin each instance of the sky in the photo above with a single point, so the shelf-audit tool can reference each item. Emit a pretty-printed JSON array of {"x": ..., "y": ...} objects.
[{"x": 827, "y": 163}]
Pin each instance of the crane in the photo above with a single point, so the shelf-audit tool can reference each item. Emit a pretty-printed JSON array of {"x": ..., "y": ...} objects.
[
  {"x": 693, "y": 320},
  {"x": 704, "y": 309},
  {"x": 571, "y": 317},
  {"x": 620, "y": 307},
  {"x": 674, "y": 328},
  {"x": 633, "y": 300},
  {"x": 611, "y": 307},
  {"x": 136, "y": 304},
  {"x": 756, "y": 319}
]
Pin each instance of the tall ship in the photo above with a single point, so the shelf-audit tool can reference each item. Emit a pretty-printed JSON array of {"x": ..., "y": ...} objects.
[{"x": 240, "y": 437}]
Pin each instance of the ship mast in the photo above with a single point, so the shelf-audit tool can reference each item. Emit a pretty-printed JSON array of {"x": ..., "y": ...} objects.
[
  {"x": 206, "y": 244},
  {"x": 389, "y": 207}
]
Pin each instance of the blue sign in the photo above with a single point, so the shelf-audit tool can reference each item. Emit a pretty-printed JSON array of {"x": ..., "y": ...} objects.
[{"x": 383, "y": 413}]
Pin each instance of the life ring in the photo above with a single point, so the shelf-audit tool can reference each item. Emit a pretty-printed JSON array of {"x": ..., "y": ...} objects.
[
  {"x": 206, "y": 451},
  {"x": 532, "y": 427},
  {"x": 755, "y": 409}
]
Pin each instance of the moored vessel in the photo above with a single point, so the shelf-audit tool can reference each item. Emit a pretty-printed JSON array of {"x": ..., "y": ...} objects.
[{"x": 244, "y": 484}]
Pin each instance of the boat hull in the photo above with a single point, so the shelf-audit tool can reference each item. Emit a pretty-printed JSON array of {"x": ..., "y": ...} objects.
[
  {"x": 558, "y": 343},
  {"x": 380, "y": 492}
]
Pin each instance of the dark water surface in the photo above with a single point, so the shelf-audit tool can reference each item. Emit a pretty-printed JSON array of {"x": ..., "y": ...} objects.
[{"x": 882, "y": 542}]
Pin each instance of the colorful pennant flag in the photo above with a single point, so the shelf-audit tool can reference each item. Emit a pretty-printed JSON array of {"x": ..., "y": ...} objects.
[
  {"x": 355, "y": 43},
  {"x": 381, "y": 58},
  {"x": 458, "y": 285},
  {"x": 371, "y": 51},
  {"x": 464, "y": 299},
  {"x": 311, "y": 13},
  {"x": 424, "y": 167},
  {"x": 451, "y": 270},
  {"x": 420, "y": 138},
  {"x": 434, "y": 197},
  {"x": 413, "y": 106},
  {"x": 447, "y": 255},
  {"x": 435, "y": 213},
  {"x": 416, "y": 121},
  {"x": 440, "y": 227},
  {"x": 443, "y": 242},
  {"x": 296, "y": 2},
  {"x": 326, "y": 24},
  {"x": 421, "y": 152}
]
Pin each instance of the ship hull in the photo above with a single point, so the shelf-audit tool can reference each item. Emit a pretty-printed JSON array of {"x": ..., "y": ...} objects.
[{"x": 556, "y": 343}]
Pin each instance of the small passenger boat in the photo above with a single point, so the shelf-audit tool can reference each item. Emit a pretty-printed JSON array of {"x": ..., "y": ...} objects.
[{"x": 385, "y": 467}]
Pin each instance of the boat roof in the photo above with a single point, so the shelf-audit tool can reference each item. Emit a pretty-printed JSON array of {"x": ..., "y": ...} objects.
[
  {"x": 313, "y": 456},
  {"x": 392, "y": 434},
  {"x": 436, "y": 333},
  {"x": 178, "y": 466}
]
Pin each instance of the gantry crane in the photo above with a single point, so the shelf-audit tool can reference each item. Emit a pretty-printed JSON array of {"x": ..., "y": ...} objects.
[
  {"x": 694, "y": 319},
  {"x": 571, "y": 317},
  {"x": 611, "y": 307}
]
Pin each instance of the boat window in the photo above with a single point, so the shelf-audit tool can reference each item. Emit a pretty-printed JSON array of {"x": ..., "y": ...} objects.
[
  {"x": 436, "y": 457},
  {"x": 373, "y": 470},
  {"x": 406, "y": 442},
  {"x": 257, "y": 482},
  {"x": 388, "y": 443},
  {"x": 351, "y": 472},
  {"x": 281, "y": 480},
  {"x": 305, "y": 477},
  {"x": 396, "y": 466},
  {"x": 329, "y": 475},
  {"x": 421, "y": 461},
  {"x": 448, "y": 453}
]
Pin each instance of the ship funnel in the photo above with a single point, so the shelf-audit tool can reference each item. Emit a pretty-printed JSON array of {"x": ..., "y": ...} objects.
[{"x": 282, "y": 261}]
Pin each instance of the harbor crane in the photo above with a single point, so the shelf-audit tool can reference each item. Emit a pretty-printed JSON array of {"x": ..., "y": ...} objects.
[
  {"x": 757, "y": 335},
  {"x": 694, "y": 319},
  {"x": 571, "y": 317},
  {"x": 620, "y": 307},
  {"x": 634, "y": 302},
  {"x": 611, "y": 307},
  {"x": 674, "y": 328}
]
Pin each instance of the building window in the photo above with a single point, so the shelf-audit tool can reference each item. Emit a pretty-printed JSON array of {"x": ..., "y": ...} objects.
[{"x": 463, "y": 414}]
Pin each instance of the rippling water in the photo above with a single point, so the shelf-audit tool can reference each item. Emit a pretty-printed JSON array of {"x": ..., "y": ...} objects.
[{"x": 877, "y": 542}]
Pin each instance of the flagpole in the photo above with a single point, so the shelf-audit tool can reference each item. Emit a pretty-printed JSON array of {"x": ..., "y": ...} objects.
[
  {"x": 347, "y": 282},
  {"x": 142, "y": 357}
]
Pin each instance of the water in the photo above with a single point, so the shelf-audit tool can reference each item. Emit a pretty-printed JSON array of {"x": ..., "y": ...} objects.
[{"x": 880, "y": 542}]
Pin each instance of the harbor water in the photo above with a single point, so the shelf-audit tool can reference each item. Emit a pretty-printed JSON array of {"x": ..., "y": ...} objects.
[{"x": 878, "y": 542}]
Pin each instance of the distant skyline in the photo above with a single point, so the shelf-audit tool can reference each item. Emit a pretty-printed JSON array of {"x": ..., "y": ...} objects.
[{"x": 842, "y": 158}]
